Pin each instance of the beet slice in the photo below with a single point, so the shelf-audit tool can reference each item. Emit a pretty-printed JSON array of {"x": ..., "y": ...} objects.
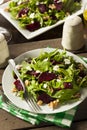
[
  {"x": 45, "y": 76},
  {"x": 45, "y": 97},
  {"x": 33, "y": 26},
  {"x": 42, "y": 8},
  {"x": 23, "y": 11},
  {"x": 18, "y": 85}
]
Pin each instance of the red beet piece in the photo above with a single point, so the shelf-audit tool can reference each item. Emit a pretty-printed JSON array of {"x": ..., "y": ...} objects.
[
  {"x": 42, "y": 8},
  {"x": 23, "y": 12},
  {"x": 45, "y": 76},
  {"x": 45, "y": 97},
  {"x": 18, "y": 85},
  {"x": 33, "y": 26}
]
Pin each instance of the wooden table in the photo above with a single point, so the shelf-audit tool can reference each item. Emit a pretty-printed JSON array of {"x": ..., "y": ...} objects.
[{"x": 18, "y": 45}]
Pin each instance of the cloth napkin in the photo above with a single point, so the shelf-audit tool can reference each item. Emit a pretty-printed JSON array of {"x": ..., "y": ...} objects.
[{"x": 63, "y": 119}]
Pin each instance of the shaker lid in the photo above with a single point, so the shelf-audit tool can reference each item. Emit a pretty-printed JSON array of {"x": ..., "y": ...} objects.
[{"x": 73, "y": 21}]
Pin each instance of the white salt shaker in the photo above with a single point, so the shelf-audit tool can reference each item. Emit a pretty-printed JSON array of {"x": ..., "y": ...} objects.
[
  {"x": 4, "y": 51},
  {"x": 72, "y": 37}
]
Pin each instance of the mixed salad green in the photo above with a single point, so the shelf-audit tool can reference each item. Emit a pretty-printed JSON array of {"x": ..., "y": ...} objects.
[
  {"x": 51, "y": 76},
  {"x": 35, "y": 14}
]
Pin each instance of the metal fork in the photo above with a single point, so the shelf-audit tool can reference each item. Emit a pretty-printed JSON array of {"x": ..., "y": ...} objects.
[{"x": 27, "y": 96}]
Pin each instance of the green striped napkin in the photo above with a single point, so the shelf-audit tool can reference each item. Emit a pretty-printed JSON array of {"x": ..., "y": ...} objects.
[{"x": 63, "y": 119}]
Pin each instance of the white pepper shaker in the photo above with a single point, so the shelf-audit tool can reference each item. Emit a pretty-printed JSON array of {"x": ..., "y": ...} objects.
[
  {"x": 4, "y": 51},
  {"x": 72, "y": 37}
]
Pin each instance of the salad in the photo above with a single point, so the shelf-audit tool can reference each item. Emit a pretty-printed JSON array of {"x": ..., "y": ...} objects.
[
  {"x": 53, "y": 78},
  {"x": 35, "y": 14}
]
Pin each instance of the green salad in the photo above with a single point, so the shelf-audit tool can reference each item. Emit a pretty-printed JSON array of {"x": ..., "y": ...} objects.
[
  {"x": 35, "y": 14},
  {"x": 52, "y": 78}
]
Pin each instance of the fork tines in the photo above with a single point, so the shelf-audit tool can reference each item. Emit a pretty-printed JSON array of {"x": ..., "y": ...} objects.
[{"x": 31, "y": 102}]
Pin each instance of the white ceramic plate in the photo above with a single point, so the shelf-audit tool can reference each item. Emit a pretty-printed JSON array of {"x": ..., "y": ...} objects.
[
  {"x": 7, "y": 84},
  {"x": 27, "y": 34}
]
